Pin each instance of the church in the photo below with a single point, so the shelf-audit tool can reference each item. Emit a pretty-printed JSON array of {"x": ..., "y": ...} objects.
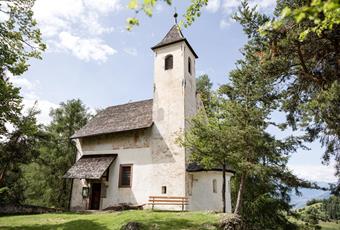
[{"x": 128, "y": 153}]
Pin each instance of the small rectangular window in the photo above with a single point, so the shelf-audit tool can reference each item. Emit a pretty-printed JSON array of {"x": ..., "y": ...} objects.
[
  {"x": 125, "y": 176},
  {"x": 163, "y": 189},
  {"x": 214, "y": 183}
]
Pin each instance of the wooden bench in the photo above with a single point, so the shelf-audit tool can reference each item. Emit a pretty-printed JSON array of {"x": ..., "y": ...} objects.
[{"x": 168, "y": 200}]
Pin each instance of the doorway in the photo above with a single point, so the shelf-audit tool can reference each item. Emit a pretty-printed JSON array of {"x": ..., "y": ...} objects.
[{"x": 95, "y": 196}]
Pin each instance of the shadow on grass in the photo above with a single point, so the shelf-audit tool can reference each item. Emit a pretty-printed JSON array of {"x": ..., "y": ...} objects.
[{"x": 71, "y": 225}]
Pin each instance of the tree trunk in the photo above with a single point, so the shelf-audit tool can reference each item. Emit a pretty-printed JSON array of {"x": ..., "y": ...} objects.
[
  {"x": 239, "y": 195},
  {"x": 3, "y": 173},
  {"x": 223, "y": 187}
]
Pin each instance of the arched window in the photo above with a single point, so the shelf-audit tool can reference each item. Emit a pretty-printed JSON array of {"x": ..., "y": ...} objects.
[
  {"x": 169, "y": 60},
  {"x": 189, "y": 65},
  {"x": 214, "y": 184}
]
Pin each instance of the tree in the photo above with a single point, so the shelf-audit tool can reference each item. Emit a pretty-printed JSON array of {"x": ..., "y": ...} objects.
[
  {"x": 57, "y": 156},
  {"x": 17, "y": 147},
  {"x": 209, "y": 142},
  {"x": 204, "y": 89},
  {"x": 235, "y": 133},
  {"x": 302, "y": 55},
  {"x": 331, "y": 206},
  {"x": 20, "y": 136},
  {"x": 20, "y": 39}
]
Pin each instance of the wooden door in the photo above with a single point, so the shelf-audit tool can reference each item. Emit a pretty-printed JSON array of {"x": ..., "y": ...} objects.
[{"x": 95, "y": 196}]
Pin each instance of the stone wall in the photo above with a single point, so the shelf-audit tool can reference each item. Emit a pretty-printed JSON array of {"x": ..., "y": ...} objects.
[{"x": 25, "y": 209}]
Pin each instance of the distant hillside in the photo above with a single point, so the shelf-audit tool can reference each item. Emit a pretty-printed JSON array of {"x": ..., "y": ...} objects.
[{"x": 308, "y": 194}]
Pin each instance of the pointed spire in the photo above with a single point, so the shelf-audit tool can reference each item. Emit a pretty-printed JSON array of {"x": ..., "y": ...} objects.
[{"x": 173, "y": 36}]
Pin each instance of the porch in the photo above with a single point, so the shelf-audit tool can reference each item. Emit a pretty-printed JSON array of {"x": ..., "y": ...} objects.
[{"x": 93, "y": 171}]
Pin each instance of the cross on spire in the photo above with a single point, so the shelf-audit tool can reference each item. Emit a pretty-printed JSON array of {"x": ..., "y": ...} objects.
[{"x": 175, "y": 16}]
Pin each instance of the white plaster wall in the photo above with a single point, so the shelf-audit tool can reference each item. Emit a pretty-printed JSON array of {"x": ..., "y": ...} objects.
[
  {"x": 132, "y": 148},
  {"x": 77, "y": 201},
  {"x": 169, "y": 120},
  {"x": 202, "y": 196},
  {"x": 142, "y": 169}
]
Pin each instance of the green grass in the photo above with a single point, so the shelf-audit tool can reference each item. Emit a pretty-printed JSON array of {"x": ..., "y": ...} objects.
[
  {"x": 329, "y": 225},
  {"x": 104, "y": 221}
]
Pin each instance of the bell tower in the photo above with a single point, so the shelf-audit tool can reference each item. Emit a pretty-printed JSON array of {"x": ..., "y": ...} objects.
[{"x": 174, "y": 102}]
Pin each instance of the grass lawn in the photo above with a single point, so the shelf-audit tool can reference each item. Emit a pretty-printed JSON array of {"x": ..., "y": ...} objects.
[
  {"x": 329, "y": 225},
  {"x": 102, "y": 221}
]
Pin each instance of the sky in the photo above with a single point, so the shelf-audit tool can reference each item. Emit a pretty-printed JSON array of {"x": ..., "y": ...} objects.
[{"x": 92, "y": 57}]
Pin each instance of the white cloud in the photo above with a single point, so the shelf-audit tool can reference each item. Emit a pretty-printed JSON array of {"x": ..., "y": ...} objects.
[
  {"x": 263, "y": 4},
  {"x": 231, "y": 6},
  {"x": 86, "y": 49},
  {"x": 82, "y": 19},
  {"x": 315, "y": 172},
  {"x": 28, "y": 91},
  {"x": 103, "y": 6},
  {"x": 159, "y": 8},
  {"x": 213, "y": 5},
  {"x": 225, "y": 22},
  {"x": 21, "y": 82},
  {"x": 44, "y": 106},
  {"x": 131, "y": 51}
]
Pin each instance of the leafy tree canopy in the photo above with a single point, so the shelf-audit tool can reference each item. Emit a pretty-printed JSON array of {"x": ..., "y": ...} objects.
[
  {"x": 20, "y": 39},
  {"x": 57, "y": 156}
]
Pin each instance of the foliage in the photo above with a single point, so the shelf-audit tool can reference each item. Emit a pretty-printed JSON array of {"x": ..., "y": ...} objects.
[
  {"x": 10, "y": 105},
  {"x": 322, "y": 15},
  {"x": 146, "y": 6},
  {"x": 235, "y": 133},
  {"x": 20, "y": 136},
  {"x": 20, "y": 39},
  {"x": 57, "y": 156},
  {"x": 313, "y": 201},
  {"x": 320, "y": 213},
  {"x": 306, "y": 69},
  {"x": 204, "y": 89},
  {"x": 150, "y": 219},
  {"x": 331, "y": 207},
  {"x": 18, "y": 146}
]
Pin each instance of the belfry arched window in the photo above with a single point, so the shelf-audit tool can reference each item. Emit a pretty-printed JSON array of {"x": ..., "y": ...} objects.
[
  {"x": 189, "y": 65},
  {"x": 169, "y": 62}
]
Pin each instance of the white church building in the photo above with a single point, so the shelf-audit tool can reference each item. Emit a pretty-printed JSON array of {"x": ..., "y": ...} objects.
[{"x": 129, "y": 152}]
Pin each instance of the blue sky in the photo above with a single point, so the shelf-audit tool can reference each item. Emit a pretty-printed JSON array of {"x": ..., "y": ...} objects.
[{"x": 92, "y": 57}]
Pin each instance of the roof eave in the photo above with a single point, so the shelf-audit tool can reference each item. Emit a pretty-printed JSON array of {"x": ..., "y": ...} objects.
[
  {"x": 170, "y": 43},
  {"x": 105, "y": 133},
  {"x": 211, "y": 170}
]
